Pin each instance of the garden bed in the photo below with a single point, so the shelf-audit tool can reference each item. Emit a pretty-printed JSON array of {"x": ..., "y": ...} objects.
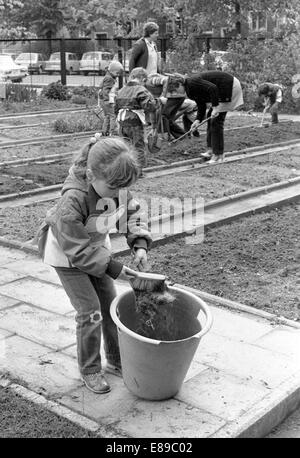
[
  {"x": 234, "y": 140},
  {"x": 59, "y": 146},
  {"x": 209, "y": 183},
  {"x": 224, "y": 179},
  {"x": 254, "y": 261},
  {"x": 60, "y": 124},
  {"x": 41, "y": 104},
  {"x": 9, "y": 184}
]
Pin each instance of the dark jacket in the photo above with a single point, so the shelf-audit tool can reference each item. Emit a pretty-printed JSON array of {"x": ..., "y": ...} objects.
[
  {"x": 107, "y": 84},
  {"x": 134, "y": 96},
  {"x": 139, "y": 55},
  {"x": 80, "y": 225},
  {"x": 209, "y": 87}
]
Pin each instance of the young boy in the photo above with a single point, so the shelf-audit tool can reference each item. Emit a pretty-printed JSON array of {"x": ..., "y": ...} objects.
[
  {"x": 272, "y": 94},
  {"x": 132, "y": 104},
  {"x": 107, "y": 95},
  {"x": 173, "y": 106}
]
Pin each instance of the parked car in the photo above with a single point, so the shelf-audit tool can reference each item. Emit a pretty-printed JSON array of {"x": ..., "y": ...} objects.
[
  {"x": 9, "y": 70},
  {"x": 34, "y": 62},
  {"x": 53, "y": 64},
  {"x": 95, "y": 61},
  {"x": 125, "y": 59}
]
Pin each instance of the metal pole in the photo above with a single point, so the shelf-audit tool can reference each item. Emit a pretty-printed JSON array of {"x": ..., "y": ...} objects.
[
  {"x": 63, "y": 73},
  {"x": 120, "y": 59}
]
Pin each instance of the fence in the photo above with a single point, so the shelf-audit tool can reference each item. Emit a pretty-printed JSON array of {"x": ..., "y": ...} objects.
[{"x": 69, "y": 51}]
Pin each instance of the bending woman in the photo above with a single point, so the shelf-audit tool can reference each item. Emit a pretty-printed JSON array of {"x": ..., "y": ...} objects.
[{"x": 215, "y": 91}]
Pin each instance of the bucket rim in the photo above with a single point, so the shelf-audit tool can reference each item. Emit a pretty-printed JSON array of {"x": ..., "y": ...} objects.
[{"x": 203, "y": 306}]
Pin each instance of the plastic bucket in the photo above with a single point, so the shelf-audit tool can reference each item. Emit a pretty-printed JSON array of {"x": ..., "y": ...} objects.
[{"x": 155, "y": 369}]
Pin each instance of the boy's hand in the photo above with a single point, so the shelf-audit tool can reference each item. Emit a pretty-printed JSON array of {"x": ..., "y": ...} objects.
[{"x": 140, "y": 259}]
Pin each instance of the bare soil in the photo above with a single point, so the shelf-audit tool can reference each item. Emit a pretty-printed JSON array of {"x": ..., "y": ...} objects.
[
  {"x": 58, "y": 146},
  {"x": 254, "y": 260},
  {"x": 222, "y": 180},
  {"x": 209, "y": 183},
  {"x": 42, "y": 104},
  {"x": 54, "y": 173},
  {"x": 234, "y": 140},
  {"x": 21, "y": 418}
]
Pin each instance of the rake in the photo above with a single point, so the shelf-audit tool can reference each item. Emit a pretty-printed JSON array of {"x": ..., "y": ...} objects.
[{"x": 191, "y": 130}]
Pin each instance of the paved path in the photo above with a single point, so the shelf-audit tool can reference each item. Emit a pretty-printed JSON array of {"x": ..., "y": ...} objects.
[{"x": 245, "y": 376}]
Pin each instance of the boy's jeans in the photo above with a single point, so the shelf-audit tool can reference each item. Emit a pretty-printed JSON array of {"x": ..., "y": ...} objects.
[
  {"x": 136, "y": 134},
  {"x": 91, "y": 297},
  {"x": 109, "y": 123}
]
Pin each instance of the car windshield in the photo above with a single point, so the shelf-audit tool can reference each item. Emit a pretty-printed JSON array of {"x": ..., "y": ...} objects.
[
  {"x": 55, "y": 56},
  {"x": 26, "y": 57},
  {"x": 91, "y": 56}
]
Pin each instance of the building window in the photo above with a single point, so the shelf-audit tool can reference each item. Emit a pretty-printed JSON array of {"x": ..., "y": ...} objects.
[
  {"x": 170, "y": 27},
  {"x": 257, "y": 21}
]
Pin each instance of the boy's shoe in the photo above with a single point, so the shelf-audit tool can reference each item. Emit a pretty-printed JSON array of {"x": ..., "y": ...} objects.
[
  {"x": 115, "y": 369},
  {"x": 216, "y": 158},
  {"x": 96, "y": 382},
  {"x": 207, "y": 155}
]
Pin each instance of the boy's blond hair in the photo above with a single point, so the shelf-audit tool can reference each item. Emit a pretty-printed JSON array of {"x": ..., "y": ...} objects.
[{"x": 138, "y": 73}]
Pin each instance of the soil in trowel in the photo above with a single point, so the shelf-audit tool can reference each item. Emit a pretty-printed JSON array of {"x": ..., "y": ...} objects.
[{"x": 159, "y": 317}]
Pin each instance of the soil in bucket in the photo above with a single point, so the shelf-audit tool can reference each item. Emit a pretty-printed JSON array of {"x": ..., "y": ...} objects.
[{"x": 159, "y": 317}]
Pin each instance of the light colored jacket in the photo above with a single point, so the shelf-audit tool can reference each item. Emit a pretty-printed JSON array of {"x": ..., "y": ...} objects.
[{"x": 75, "y": 231}]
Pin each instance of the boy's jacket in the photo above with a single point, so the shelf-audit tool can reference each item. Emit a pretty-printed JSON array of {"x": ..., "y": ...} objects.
[{"x": 79, "y": 224}]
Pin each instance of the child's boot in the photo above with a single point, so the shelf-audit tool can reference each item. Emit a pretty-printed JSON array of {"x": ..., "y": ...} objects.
[{"x": 96, "y": 382}]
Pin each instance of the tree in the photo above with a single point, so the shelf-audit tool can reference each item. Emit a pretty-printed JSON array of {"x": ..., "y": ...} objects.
[
  {"x": 40, "y": 17},
  {"x": 8, "y": 27},
  {"x": 96, "y": 15},
  {"x": 200, "y": 15}
]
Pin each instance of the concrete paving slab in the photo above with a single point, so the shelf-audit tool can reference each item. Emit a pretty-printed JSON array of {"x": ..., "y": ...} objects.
[
  {"x": 7, "y": 275},
  {"x": 243, "y": 380},
  {"x": 39, "y": 326},
  {"x": 263, "y": 416},
  {"x": 4, "y": 334},
  {"x": 194, "y": 369},
  {"x": 221, "y": 394},
  {"x": 137, "y": 418},
  {"x": 6, "y": 302},
  {"x": 34, "y": 268},
  {"x": 43, "y": 371},
  {"x": 282, "y": 339},
  {"x": 45, "y": 295},
  {"x": 247, "y": 361},
  {"x": 8, "y": 254},
  {"x": 241, "y": 326}
]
